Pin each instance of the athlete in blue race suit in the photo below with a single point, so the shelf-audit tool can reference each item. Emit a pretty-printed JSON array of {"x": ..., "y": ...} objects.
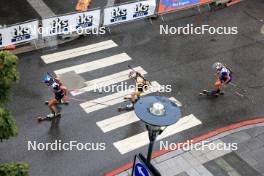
[{"x": 223, "y": 77}]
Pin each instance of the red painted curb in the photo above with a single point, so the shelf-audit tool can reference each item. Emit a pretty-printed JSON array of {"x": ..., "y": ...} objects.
[{"x": 194, "y": 140}]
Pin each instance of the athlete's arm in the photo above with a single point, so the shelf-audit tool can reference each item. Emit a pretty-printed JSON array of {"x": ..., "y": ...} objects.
[
  {"x": 65, "y": 90},
  {"x": 227, "y": 79}
]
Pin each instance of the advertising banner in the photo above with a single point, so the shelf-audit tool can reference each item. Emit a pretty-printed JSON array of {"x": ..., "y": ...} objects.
[
  {"x": 128, "y": 12},
  {"x": 67, "y": 24},
  {"x": 19, "y": 33},
  {"x": 171, "y": 5}
]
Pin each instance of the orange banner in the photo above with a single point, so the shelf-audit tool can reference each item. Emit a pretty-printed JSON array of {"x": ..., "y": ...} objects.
[{"x": 171, "y": 5}]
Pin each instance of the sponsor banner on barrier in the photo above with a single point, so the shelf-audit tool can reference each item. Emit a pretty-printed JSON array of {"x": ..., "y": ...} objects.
[
  {"x": 128, "y": 12},
  {"x": 171, "y": 5},
  {"x": 67, "y": 24},
  {"x": 19, "y": 33}
]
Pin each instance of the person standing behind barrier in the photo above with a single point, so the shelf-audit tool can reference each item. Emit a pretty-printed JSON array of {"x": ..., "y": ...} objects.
[{"x": 83, "y": 5}]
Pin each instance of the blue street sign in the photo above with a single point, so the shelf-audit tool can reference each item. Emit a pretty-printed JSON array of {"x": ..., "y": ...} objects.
[{"x": 140, "y": 168}]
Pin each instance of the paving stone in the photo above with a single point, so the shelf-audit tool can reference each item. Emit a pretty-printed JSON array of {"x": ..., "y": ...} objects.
[
  {"x": 191, "y": 159},
  {"x": 260, "y": 167},
  {"x": 261, "y": 137},
  {"x": 213, "y": 167},
  {"x": 171, "y": 168},
  {"x": 162, "y": 167},
  {"x": 202, "y": 171},
  {"x": 242, "y": 167},
  {"x": 202, "y": 159},
  {"x": 179, "y": 161},
  {"x": 258, "y": 154},
  {"x": 196, "y": 153},
  {"x": 238, "y": 137},
  {"x": 219, "y": 153},
  {"x": 182, "y": 174},
  {"x": 255, "y": 143},
  {"x": 247, "y": 157},
  {"x": 168, "y": 156},
  {"x": 192, "y": 172},
  {"x": 242, "y": 148},
  {"x": 254, "y": 132}
]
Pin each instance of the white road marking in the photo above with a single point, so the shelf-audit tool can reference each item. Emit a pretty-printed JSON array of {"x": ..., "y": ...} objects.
[
  {"x": 141, "y": 139},
  {"x": 71, "y": 53},
  {"x": 97, "y": 64},
  {"x": 106, "y": 81},
  {"x": 41, "y": 8},
  {"x": 117, "y": 121},
  {"x": 104, "y": 102},
  {"x": 121, "y": 120}
]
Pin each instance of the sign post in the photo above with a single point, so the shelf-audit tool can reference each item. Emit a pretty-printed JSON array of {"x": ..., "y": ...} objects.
[
  {"x": 157, "y": 113},
  {"x": 140, "y": 167}
]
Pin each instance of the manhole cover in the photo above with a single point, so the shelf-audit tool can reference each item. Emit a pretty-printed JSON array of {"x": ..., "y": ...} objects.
[{"x": 72, "y": 80}]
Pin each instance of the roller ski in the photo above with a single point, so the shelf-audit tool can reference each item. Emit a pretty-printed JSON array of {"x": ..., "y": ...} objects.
[
  {"x": 64, "y": 103},
  {"x": 127, "y": 107},
  {"x": 211, "y": 93},
  {"x": 49, "y": 117}
]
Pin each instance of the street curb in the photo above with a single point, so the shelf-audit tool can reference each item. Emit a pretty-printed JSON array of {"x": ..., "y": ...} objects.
[{"x": 194, "y": 140}]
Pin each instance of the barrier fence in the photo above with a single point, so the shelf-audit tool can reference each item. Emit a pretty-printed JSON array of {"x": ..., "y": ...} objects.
[{"x": 92, "y": 19}]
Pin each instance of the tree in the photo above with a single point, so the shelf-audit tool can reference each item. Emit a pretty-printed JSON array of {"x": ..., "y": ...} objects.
[
  {"x": 8, "y": 76},
  {"x": 14, "y": 169}
]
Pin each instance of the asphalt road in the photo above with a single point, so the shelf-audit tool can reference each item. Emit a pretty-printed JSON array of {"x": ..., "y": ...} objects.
[
  {"x": 183, "y": 61},
  {"x": 16, "y": 11}
]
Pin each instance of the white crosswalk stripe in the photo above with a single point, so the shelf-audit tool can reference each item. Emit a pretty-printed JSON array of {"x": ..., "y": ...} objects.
[
  {"x": 123, "y": 119},
  {"x": 71, "y": 53},
  {"x": 101, "y": 63},
  {"x": 107, "y": 80},
  {"x": 109, "y": 100},
  {"x": 141, "y": 139}
]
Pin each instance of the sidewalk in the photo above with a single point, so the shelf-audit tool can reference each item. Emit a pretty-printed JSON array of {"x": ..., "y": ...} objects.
[{"x": 247, "y": 160}]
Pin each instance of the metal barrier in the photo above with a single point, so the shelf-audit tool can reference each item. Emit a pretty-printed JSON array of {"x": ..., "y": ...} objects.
[
  {"x": 19, "y": 33},
  {"x": 108, "y": 16},
  {"x": 127, "y": 12}
]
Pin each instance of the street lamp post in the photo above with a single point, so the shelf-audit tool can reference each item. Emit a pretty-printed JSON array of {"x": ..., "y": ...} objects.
[{"x": 157, "y": 113}]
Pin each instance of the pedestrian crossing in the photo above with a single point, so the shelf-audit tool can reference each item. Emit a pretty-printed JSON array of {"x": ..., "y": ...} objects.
[
  {"x": 107, "y": 81},
  {"x": 112, "y": 123},
  {"x": 94, "y": 65},
  {"x": 113, "y": 99},
  {"x": 123, "y": 119},
  {"x": 141, "y": 139},
  {"x": 72, "y": 53}
]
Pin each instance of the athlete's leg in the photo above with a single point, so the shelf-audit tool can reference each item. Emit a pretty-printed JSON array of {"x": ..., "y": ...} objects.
[
  {"x": 217, "y": 87},
  {"x": 52, "y": 105}
]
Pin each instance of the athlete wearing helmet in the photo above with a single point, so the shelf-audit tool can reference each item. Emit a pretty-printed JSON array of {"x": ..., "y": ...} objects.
[
  {"x": 141, "y": 85},
  {"x": 60, "y": 93},
  {"x": 223, "y": 76}
]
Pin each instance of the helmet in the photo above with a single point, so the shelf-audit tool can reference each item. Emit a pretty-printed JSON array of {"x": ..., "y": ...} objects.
[
  {"x": 132, "y": 74},
  {"x": 217, "y": 65},
  {"x": 140, "y": 80},
  {"x": 47, "y": 78},
  {"x": 55, "y": 86}
]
